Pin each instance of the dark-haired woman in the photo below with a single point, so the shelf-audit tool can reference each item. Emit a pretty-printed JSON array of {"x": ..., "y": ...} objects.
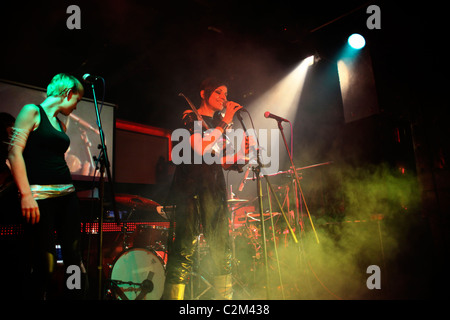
[{"x": 200, "y": 195}]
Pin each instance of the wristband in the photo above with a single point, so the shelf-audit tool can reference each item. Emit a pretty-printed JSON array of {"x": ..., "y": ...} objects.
[{"x": 222, "y": 124}]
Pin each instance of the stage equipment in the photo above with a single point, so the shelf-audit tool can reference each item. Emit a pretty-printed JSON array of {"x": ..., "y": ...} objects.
[
  {"x": 257, "y": 171},
  {"x": 135, "y": 202},
  {"x": 138, "y": 274},
  {"x": 104, "y": 166},
  {"x": 297, "y": 184},
  {"x": 143, "y": 235}
]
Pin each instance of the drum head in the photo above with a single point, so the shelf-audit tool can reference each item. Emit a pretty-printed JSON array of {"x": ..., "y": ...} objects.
[{"x": 138, "y": 274}]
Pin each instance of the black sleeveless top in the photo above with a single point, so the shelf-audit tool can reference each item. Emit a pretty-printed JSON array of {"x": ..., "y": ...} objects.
[{"x": 44, "y": 154}]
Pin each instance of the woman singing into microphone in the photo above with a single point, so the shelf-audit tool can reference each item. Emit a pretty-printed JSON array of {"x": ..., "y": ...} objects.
[{"x": 200, "y": 196}]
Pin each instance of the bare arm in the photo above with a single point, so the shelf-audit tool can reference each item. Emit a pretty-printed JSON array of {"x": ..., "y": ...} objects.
[{"x": 26, "y": 121}]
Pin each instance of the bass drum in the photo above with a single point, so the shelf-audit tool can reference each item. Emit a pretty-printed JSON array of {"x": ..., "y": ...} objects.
[{"x": 138, "y": 274}]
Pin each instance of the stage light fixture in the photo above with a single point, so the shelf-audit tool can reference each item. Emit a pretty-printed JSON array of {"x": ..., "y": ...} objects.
[{"x": 356, "y": 41}]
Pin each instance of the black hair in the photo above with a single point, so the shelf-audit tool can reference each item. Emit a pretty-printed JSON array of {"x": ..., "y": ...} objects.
[{"x": 211, "y": 84}]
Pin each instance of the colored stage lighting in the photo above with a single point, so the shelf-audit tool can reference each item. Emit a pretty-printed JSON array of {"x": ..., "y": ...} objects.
[{"x": 356, "y": 41}]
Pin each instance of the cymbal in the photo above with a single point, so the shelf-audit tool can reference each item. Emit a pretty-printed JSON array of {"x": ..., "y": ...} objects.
[
  {"x": 256, "y": 215},
  {"x": 236, "y": 200},
  {"x": 135, "y": 201},
  {"x": 233, "y": 204}
]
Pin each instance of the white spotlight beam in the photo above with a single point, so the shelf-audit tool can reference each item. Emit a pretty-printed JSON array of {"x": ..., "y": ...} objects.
[{"x": 283, "y": 98}]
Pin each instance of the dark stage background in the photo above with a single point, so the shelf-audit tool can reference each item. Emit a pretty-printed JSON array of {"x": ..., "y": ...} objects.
[{"x": 382, "y": 199}]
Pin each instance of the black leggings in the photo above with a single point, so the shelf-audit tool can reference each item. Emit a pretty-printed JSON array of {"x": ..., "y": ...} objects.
[
  {"x": 204, "y": 214},
  {"x": 60, "y": 214}
]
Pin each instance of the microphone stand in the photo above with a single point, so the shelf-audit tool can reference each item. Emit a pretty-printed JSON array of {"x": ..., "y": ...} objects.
[
  {"x": 104, "y": 166},
  {"x": 257, "y": 170},
  {"x": 296, "y": 177}
]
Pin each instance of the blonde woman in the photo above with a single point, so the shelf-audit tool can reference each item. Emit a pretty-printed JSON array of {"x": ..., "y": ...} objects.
[{"x": 47, "y": 195}]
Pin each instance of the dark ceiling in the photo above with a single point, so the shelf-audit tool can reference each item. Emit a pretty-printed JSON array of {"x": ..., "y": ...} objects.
[{"x": 149, "y": 51}]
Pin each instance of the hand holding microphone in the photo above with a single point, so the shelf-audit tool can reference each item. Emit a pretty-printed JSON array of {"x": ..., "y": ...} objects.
[{"x": 231, "y": 109}]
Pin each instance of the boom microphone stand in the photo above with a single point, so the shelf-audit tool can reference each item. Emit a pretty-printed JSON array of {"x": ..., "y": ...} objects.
[
  {"x": 104, "y": 166},
  {"x": 257, "y": 170}
]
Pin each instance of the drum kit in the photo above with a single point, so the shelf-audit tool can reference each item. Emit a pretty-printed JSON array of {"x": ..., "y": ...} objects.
[{"x": 136, "y": 269}]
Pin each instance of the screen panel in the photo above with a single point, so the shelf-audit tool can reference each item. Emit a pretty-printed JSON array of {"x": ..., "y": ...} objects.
[{"x": 82, "y": 127}]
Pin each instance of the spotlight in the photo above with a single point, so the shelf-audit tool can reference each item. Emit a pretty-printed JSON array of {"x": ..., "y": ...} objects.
[
  {"x": 310, "y": 60},
  {"x": 356, "y": 41}
]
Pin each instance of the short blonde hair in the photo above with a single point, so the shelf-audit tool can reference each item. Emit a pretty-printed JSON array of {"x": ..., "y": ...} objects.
[{"x": 62, "y": 83}]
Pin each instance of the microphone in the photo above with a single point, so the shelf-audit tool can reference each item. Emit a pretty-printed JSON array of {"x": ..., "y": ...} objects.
[
  {"x": 88, "y": 78},
  {"x": 267, "y": 114},
  {"x": 237, "y": 112}
]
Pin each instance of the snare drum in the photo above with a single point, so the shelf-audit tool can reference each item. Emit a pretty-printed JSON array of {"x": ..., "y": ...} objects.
[{"x": 138, "y": 274}]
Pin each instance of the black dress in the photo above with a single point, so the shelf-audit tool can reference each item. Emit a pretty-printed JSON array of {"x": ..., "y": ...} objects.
[{"x": 200, "y": 196}]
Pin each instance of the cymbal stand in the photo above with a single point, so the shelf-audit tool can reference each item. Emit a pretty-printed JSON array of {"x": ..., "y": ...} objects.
[
  {"x": 275, "y": 247},
  {"x": 257, "y": 171},
  {"x": 234, "y": 261},
  {"x": 200, "y": 278}
]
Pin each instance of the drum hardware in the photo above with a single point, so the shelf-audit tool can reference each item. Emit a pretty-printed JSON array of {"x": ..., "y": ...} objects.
[
  {"x": 138, "y": 274},
  {"x": 201, "y": 278},
  {"x": 116, "y": 289},
  {"x": 256, "y": 216},
  {"x": 136, "y": 202},
  {"x": 235, "y": 262},
  {"x": 234, "y": 201},
  {"x": 150, "y": 237},
  {"x": 236, "y": 204},
  {"x": 290, "y": 172},
  {"x": 239, "y": 209},
  {"x": 193, "y": 285},
  {"x": 199, "y": 285},
  {"x": 146, "y": 286},
  {"x": 165, "y": 211}
]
